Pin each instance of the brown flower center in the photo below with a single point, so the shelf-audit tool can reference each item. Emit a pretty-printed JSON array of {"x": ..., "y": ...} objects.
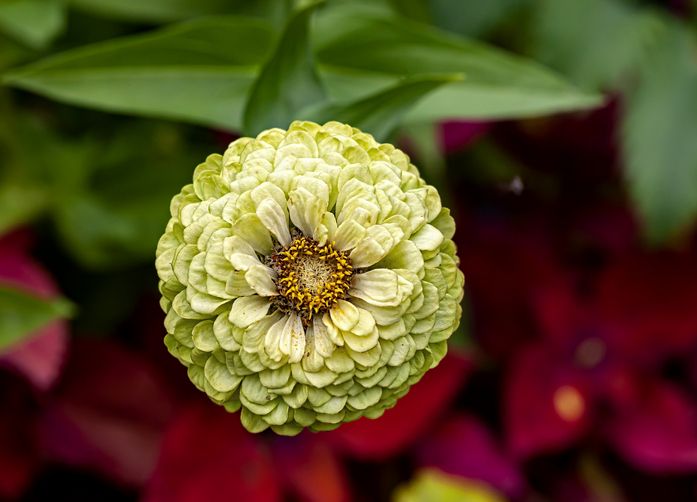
[{"x": 310, "y": 278}]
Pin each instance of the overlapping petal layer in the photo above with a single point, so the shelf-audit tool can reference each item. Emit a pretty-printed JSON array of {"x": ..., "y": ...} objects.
[{"x": 342, "y": 331}]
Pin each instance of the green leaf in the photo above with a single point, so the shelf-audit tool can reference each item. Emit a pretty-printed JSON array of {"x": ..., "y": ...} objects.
[
  {"x": 200, "y": 71},
  {"x": 596, "y": 43},
  {"x": 176, "y": 10},
  {"x": 419, "y": 10},
  {"x": 22, "y": 313},
  {"x": 114, "y": 220},
  {"x": 20, "y": 202},
  {"x": 12, "y": 52},
  {"x": 380, "y": 113},
  {"x": 658, "y": 137},
  {"x": 288, "y": 81},
  {"x": 352, "y": 42},
  {"x": 33, "y": 22},
  {"x": 474, "y": 19}
]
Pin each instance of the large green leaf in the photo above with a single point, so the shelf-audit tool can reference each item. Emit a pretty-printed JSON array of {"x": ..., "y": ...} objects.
[
  {"x": 32, "y": 22},
  {"x": 594, "y": 42},
  {"x": 288, "y": 81},
  {"x": 354, "y": 41},
  {"x": 22, "y": 313},
  {"x": 175, "y": 10},
  {"x": 380, "y": 113},
  {"x": 200, "y": 71},
  {"x": 659, "y": 137}
]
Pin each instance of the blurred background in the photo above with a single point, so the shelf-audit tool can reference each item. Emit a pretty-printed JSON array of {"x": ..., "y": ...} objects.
[{"x": 563, "y": 135}]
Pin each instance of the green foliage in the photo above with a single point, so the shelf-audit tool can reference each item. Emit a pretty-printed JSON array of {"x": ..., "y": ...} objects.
[
  {"x": 177, "y": 10},
  {"x": 104, "y": 218},
  {"x": 288, "y": 82},
  {"x": 470, "y": 19},
  {"x": 594, "y": 42},
  {"x": 203, "y": 71},
  {"x": 20, "y": 202},
  {"x": 659, "y": 137},
  {"x": 111, "y": 220},
  {"x": 192, "y": 72},
  {"x": 33, "y": 22},
  {"x": 354, "y": 40},
  {"x": 649, "y": 58},
  {"x": 22, "y": 313},
  {"x": 380, "y": 113}
]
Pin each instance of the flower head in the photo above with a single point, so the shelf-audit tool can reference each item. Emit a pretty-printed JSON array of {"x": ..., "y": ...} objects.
[{"x": 309, "y": 277}]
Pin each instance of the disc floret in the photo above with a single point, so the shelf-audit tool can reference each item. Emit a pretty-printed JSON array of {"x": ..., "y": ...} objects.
[{"x": 310, "y": 277}]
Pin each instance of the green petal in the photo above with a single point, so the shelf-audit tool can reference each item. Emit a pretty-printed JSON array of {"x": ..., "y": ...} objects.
[
  {"x": 344, "y": 315},
  {"x": 203, "y": 336},
  {"x": 250, "y": 228},
  {"x": 259, "y": 277},
  {"x": 219, "y": 377},
  {"x": 248, "y": 310},
  {"x": 427, "y": 238},
  {"x": 381, "y": 287},
  {"x": 271, "y": 214}
]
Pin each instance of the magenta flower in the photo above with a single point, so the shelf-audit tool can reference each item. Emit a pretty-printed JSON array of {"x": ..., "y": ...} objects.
[{"x": 598, "y": 366}]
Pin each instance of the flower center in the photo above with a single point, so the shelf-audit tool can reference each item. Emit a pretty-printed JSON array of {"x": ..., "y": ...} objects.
[{"x": 310, "y": 278}]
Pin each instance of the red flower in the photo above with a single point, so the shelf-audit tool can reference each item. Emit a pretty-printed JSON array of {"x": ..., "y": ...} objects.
[
  {"x": 108, "y": 414},
  {"x": 413, "y": 415},
  {"x": 599, "y": 362},
  {"x": 207, "y": 455}
]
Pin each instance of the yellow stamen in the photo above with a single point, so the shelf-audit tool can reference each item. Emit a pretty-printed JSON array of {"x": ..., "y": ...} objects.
[{"x": 310, "y": 278}]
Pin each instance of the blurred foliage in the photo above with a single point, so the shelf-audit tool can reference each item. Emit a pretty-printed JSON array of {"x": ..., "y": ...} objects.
[
  {"x": 163, "y": 11},
  {"x": 22, "y": 312},
  {"x": 32, "y": 22},
  {"x": 615, "y": 35},
  {"x": 659, "y": 136}
]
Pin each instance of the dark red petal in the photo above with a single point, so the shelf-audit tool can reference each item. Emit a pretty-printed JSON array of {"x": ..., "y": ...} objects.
[
  {"x": 546, "y": 404},
  {"x": 400, "y": 426},
  {"x": 504, "y": 266},
  {"x": 108, "y": 413},
  {"x": 310, "y": 469},
  {"x": 38, "y": 358},
  {"x": 19, "y": 452},
  {"x": 658, "y": 431},
  {"x": 649, "y": 303},
  {"x": 464, "y": 447},
  {"x": 559, "y": 312},
  {"x": 207, "y": 456}
]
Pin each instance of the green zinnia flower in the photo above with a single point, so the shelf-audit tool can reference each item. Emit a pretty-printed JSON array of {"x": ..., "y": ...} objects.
[{"x": 309, "y": 277}]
